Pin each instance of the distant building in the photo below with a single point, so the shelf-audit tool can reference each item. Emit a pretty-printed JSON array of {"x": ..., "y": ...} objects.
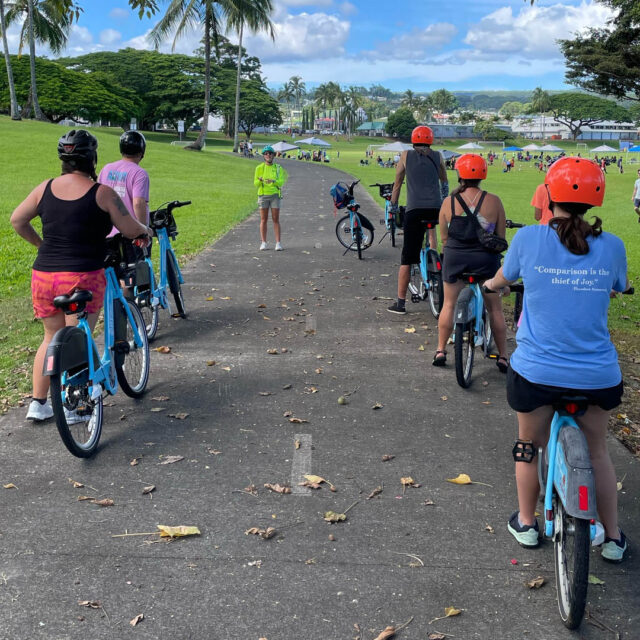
[
  {"x": 376, "y": 128},
  {"x": 452, "y": 130},
  {"x": 539, "y": 127}
]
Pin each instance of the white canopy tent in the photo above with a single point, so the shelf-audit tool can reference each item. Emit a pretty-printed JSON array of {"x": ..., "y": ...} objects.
[
  {"x": 283, "y": 146},
  {"x": 471, "y": 145},
  {"x": 531, "y": 147},
  {"x": 602, "y": 148},
  {"x": 550, "y": 147},
  {"x": 318, "y": 142},
  {"x": 395, "y": 146}
]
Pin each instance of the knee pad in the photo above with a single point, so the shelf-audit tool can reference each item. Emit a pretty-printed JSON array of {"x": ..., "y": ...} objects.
[{"x": 524, "y": 451}]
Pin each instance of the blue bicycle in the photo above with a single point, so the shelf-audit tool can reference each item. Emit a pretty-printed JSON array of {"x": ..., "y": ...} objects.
[
  {"x": 151, "y": 294},
  {"x": 354, "y": 231},
  {"x": 79, "y": 376},
  {"x": 426, "y": 277},
  {"x": 389, "y": 220}
]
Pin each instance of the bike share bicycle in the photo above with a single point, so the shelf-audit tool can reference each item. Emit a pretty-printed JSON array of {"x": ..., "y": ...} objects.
[
  {"x": 150, "y": 293},
  {"x": 354, "y": 231},
  {"x": 391, "y": 216},
  {"x": 79, "y": 376},
  {"x": 426, "y": 277},
  {"x": 471, "y": 324}
]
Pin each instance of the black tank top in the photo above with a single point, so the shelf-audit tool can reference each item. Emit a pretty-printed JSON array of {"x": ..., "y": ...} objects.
[
  {"x": 73, "y": 232},
  {"x": 463, "y": 234}
]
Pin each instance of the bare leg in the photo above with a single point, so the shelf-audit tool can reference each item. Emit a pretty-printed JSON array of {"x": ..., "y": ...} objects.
[
  {"x": 445, "y": 321},
  {"x": 532, "y": 426},
  {"x": 275, "y": 216},
  {"x": 404, "y": 274},
  {"x": 264, "y": 217},
  {"x": 594, "y": 426},
  {"x": 493, "y": 304},
  {"x": 433, "y": 239},
  {"x": 41, "y": 383}
]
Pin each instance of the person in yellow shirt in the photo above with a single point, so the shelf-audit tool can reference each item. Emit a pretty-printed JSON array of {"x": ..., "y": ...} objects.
[{"x": 269, "y": 177}]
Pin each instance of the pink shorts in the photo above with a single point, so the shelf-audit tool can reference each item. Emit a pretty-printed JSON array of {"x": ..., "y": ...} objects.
[{"x": 45, "y": 286}]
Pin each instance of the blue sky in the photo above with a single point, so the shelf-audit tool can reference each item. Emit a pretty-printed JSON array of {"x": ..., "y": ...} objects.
[{"x": 402, "y": 44}]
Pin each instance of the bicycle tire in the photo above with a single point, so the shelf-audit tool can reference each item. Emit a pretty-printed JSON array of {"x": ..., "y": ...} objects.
[
  {"x": 150, "y": 314},
  {"x": 81, "y": 439},
  {"x": 464, "y": 352},
  {"x": 174, "y": 285},
  {"x": 343, "y": 233},
  {"x": 366, "y": 239},
  {"x": 572, "y": 565},
  {"x": 132, "y": 365},
  {"x": 436, "y": 293},
  {"x": 392, "y": 231},
  {"x": 487, "y": 338},
  {"x": 359, "y": 242},
  {"x": 416, "y": 287},
  {"x": 517, "y": 309}
]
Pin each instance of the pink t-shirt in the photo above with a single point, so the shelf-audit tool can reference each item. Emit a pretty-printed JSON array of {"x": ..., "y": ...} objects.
[{"x": 129, "y": 180}]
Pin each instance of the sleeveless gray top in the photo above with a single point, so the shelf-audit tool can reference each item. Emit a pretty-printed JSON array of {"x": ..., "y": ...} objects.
[{"x": 423, "y": 180}]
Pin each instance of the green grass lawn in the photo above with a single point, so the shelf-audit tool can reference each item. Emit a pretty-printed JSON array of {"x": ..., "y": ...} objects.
[{"x": 221, "y": 189}]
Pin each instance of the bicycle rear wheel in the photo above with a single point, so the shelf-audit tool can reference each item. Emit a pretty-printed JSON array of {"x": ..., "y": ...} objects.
[
  {"x": 571, "y": 551},
  {"x": 487, "y": 341},
  {"x": 131, "y": 361},
  {"x": 78, "y": 416},
  {"x": 517, "y": 309},
  {"x": 392, "y": 231},
  {"x": 436, "y": 293},
  {"x": 417, "y": 287},
  {"x": 464, "y": 350},
  {"x": 174, "y": 284}
]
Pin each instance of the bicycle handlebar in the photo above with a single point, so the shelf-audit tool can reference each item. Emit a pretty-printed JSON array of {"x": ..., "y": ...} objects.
[
  {"x": 510, "y": 224},
  {"x": 176, "y": 204},
  {"x": 516, "y": 287}
]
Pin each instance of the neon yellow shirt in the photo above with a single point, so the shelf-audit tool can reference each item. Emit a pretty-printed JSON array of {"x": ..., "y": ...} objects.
[{"x": 269, "y": 172}]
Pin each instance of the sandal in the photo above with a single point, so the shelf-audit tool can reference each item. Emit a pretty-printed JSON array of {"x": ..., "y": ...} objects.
[
  {"x": 503, "y": 364},
  {"x": 440, "y": 359}
]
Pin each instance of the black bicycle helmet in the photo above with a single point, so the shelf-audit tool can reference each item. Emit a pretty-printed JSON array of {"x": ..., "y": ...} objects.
[
  {"x": 132, "y": 143},
  {"x": 78, "y": 144}
]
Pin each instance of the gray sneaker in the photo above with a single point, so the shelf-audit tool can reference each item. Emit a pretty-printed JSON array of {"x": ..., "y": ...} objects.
[
  {"x": 39, "y": 412},
  {"x": 614, "y": 550},
  {"x": 527, "y": 535}
]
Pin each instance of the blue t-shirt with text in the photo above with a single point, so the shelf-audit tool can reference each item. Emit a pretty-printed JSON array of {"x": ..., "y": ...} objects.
[{"x": 563, "y": 338}]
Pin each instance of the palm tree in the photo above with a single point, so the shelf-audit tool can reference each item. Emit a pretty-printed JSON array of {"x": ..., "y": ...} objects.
[
  {"x": 409, "y": 99},
  {"x": 182, "y": 15},
  {"x": 44, "y": 21},
  {"x": 540, "y": 102},
  {"x": 15, "y": 113},
  {"x": 425, "y": 108},
  {"x": 255, "y": 21},
  {"x": 298, "y": 87},
  {"x": 285, "y": 94}
]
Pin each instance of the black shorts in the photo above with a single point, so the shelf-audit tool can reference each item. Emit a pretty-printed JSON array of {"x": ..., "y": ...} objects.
[
  {"x": 457, "y": 261},
  {"x": 414, "y": 233},
  {"x": 524, "y": 396}
]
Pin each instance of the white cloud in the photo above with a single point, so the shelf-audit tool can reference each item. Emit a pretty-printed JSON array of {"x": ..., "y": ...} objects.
[
  {"x": 301, "y": 37},
  {"x": 534, "y": 30},
  {"x": 118, "y": 14},
  {"x": 110, "y": 36},
  {"x": 418, "y": 43},
  {"x": 348, "y": 9}
]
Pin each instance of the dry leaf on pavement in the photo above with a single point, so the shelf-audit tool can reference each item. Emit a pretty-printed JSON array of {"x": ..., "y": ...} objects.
[
  {"x": 105, "y": 502},
  {"x": 297, "y": 420},
  {"x": 272, "y": 352},
  {"x": 76, "y": 485},
  {"x": 177, "y": 532},
  {"x": 11, "y": 486},
  {"x": 277, "y": 488},
  {"x": 449, "y": 612},
  {"x": 594, "y": 580},
  {"x": 135, "y": 461},
  {"x": 436, "y": 636},
  {"x": 464, "y": 478},
  {"x": 377, "y": 491},
  {"x": 267, "y": 533},
  {"x": 489, "y": 528},
  {"x": 535, "y": 583},
  {"x": 137, "y": 619},
  {"x": 163, "y": 349},
  {"x": 179, "y": 416},
  {"x": 297, "y": 444},
  {"x": 148, "y": 489},
  {"x": 91, "y": 604},
  {"x": 389, "y": 632},
  {"x": 387, "y": 456},
  {"x": 410, "y": 330},
  {"x": 377, "y": 405},
  {"x": 171, "y": 459},
  {"x": 332, "y": 516}
]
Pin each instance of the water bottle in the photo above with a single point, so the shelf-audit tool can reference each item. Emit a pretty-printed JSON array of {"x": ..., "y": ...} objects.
[{"x": 598, "y": 539}]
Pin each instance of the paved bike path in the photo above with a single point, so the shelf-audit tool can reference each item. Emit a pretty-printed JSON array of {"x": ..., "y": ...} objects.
[{"x": 403, "y": 554}]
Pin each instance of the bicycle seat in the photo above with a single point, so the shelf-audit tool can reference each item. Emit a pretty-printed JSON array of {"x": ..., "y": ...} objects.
[
  {"x": 571, "y": 405},
  {"x": 75, "y": 303},
  {"x": 429, "y": 224}
]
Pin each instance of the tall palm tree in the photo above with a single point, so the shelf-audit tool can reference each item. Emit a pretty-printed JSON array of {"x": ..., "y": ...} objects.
[
  {"x": 540, "y": 102},
  {"x": 255, "y": 21},
  {"x": 15, "y": 113},
  {"x": 285, "y": 94},
  {"x": 299, "y": 89},
  {"x": 182, "y": 15},
  {"x": 44, "y": 21},
  {"x": 409, "y": 99}
]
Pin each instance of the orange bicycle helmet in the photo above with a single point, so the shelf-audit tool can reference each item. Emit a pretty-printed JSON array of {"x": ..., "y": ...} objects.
[
  {"x": 422, "y": 135},
  {"x": 572, "y": 179},
  {"x": 471, "y": 166}
]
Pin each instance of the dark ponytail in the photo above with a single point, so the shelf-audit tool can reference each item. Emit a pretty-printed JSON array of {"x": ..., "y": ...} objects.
[
  {"x": 464, "y": 184},
  {"x": 80, "y": 164},
  {"x": 574, "y": 230}
]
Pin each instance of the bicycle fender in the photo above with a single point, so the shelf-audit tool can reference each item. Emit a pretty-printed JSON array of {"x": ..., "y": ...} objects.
[
  {"x": 365, "y": 221},
  {"x": 67, "y": 350},
  {"x": 574, "y": 480},
  {"x": 464, "y": 312}
]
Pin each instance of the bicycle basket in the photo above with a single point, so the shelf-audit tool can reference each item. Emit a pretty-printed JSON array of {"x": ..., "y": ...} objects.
[
  {"x": 385, "y": 190},
  {"x": 340, "y": 194}
]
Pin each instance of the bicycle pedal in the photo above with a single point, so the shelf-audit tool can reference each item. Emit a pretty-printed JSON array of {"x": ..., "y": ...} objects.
[
  {"x": 415, "y": 297},
  {"x": 121, "y": 346},
  {"x": 382, "y": 221}
]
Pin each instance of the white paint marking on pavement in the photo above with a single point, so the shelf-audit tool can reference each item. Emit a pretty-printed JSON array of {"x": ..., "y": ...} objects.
[{"x": 301, "y": 464}]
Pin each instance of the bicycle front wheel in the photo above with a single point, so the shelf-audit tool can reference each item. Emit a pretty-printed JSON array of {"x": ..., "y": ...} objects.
[
  {"x": 131, "y": 361},
  {"x": 359, "y": 242},
  {"x": 571, "y": 550},
  {"x": 343, "y": 233},
  {"x": 464, "y": 350},
  {"x": 392, "y": 231},
  {"x": 174, "y": 284},
  {"x": 149, "y": 313},
  {"x": 517, "y": 309},
  {"x": 78, "y": 416},
  {"x": 487, "y": 338}
]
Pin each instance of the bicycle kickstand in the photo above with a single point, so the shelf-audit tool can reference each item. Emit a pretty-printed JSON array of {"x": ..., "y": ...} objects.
[
  {"x": 383, "y": 237},
  {"x": 348, "y": 249}
]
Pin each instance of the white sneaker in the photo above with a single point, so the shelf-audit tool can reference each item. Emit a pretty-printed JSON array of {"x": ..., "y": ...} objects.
[
  {"x": 73, "y": 418},
  {"x": 38, "y": 412},
  {"x": 263, "y": 246},
  {"x": 278, "y": 246}
]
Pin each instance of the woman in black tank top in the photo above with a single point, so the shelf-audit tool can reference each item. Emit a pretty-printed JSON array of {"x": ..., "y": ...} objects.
[{"x": 77, "y": 214}]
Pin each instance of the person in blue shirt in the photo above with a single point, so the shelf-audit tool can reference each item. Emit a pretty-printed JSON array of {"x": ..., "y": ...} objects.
[{"x": 570, "y": 269}]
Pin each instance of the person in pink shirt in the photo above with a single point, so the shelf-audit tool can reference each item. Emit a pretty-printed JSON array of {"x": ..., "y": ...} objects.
[
  {"x": 540, "y": 204},
  {"x": 127, "y": 178}
]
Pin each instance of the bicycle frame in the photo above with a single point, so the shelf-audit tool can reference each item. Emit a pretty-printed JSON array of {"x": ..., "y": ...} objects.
[
  {"x": 102, "y": 375},
  {"x": 469, "y": 308}
]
